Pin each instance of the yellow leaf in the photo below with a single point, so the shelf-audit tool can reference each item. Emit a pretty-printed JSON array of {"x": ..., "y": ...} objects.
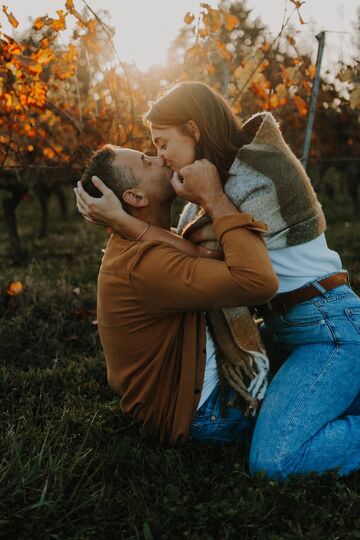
[
  {"x": 290, "y": 40},
  {"x": 44, "y": 43},
  {"x": 69, "y": 5},
  {"x": 221, "y": 47},
  {"x": 35, "y": 69},
  {"x": 242, "y": 75},
  {"x": 301, "y": 105},
  {"x": 297, "y": 3},
  {"x": 14, "y": 22},
  {"x": 355, "y": 98},
  {"x": 14, "y": 288},
  {"x": 39, "y": 23},
  {"x": 203, "y": 32},
  {"x": 281, "y": 93},
  {"x": 91, "y": 25},
  {"x": 49, "y": 153},
  {"x": 212, "y": 18},
  {"x": 189, "y": 17},
  {"x": 230, "y": 21},
  {"x": 44, "y": 56},
  {"x": 292, "y": 75},
  {"x": 274, "y": 101},
  {"x": 9, "y": 99},
  {"x": 311, "y": 70},
  {"x": 59, "y": 24},
  {"x": 346, "y": 75}
]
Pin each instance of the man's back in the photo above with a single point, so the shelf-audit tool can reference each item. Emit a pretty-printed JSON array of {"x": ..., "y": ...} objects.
[{"x": 155, "y": 361}]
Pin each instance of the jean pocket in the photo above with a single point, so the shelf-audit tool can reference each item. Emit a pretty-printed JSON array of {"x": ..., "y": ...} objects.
[
  {"x": 303, "y": 315},
  {"x": 353, "y": 316}
]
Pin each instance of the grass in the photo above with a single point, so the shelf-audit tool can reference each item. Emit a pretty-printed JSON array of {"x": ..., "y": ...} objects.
[{"x": 73, "y": 467}]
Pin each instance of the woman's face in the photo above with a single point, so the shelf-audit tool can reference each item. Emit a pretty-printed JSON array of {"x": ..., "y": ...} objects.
[{"x": 174, "y": 147}]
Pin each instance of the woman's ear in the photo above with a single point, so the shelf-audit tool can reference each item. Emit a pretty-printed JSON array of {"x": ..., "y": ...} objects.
[
  {"x": 194, "y": 130},
  {"x": 135, "y": 198}
]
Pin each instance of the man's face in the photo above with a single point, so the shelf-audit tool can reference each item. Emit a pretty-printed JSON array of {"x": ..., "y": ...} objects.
[{"x": 151, "y": 174}]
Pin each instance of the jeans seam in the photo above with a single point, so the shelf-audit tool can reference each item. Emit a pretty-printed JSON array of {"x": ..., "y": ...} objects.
[
  {"x": 349, "y": 313},
  {"x": 330, "y": 327},
  {"x": 281, "y": 449}
]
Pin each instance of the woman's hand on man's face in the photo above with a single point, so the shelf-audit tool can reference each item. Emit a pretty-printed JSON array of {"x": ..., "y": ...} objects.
[
  {"x": 105, "y": 210},
  {"x": 198, "y": 183}
]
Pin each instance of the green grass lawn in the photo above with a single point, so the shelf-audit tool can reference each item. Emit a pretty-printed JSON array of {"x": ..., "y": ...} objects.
[{"x": 72, "y": 467}]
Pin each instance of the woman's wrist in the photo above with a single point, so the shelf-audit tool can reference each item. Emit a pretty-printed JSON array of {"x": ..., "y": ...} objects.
[{"x": 120, "y": 221}]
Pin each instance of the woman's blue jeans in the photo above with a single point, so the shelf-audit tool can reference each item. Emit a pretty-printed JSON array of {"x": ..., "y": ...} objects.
[{"x": 310, "y": 417}]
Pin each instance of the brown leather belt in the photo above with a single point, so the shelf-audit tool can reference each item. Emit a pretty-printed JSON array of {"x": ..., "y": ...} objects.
[{"x": 282, "y": 302}]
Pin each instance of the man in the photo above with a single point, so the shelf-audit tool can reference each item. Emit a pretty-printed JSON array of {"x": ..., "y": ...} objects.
[{"x": 152, "y": 296}]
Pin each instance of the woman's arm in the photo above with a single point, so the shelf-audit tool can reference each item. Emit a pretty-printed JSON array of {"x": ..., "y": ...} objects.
[{"x": 108, "y": 211}]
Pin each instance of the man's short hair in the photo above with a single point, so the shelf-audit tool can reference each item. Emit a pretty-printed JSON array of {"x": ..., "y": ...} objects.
[{"x": 118, "y": 179}]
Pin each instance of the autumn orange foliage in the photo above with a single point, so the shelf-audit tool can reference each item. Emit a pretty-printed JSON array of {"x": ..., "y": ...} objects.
[{"x": 58, "y": 102}]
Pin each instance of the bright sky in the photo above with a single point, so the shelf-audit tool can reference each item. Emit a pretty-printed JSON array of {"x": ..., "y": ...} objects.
[{"x": 145, "y": 28}]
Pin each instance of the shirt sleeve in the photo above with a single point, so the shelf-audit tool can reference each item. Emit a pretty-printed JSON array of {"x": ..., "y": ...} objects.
[{"x": 168, "y": 281}]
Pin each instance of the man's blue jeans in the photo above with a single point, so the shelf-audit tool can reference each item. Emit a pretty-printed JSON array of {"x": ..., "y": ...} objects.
[
  {"x": 209, "y": 426},
  {"x": 310, "y": 417}
]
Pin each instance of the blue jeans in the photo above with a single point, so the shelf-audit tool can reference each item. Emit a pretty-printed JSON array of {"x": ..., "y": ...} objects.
[
  {"x": 310, "y": 417},
  {"x": 208, "y": 425}
]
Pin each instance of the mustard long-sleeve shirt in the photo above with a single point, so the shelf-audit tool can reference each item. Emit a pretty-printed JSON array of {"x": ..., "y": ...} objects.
[{"x": 151, "y": 302}]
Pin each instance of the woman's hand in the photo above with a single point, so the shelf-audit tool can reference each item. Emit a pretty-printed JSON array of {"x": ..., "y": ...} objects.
[
  {"x": 106, "y": 210},
  {"x": 198, "y": 183}
]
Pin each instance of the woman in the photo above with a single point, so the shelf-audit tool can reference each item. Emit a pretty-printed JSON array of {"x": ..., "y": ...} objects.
[{"x": 309, "y": 420}]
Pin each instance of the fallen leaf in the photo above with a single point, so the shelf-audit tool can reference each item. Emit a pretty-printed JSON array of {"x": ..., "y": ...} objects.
[{"x": 14, "y": 288}]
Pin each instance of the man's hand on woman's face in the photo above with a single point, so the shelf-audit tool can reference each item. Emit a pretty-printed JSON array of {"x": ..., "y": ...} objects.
[
  {"x": 105, "y": 210},
  {"x": 198, "y": 182}
]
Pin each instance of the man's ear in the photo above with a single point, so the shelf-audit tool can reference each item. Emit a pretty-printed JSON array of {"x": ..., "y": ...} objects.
[
  {"x": 194, "y": 130},
  {"x": 135, "y": 198}
]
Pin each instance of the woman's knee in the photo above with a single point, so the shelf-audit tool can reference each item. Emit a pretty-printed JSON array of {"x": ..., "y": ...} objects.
[{"x": 267, "y": 462}]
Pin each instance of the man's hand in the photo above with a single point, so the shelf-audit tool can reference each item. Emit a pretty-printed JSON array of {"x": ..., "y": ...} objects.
[{"x": 105, "y": 210}]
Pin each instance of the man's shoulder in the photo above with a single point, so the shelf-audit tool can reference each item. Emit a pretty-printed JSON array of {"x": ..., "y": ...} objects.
[{"x": 119, "y": 254}]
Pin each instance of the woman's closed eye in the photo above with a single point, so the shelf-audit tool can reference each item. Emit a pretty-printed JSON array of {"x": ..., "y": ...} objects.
[{"x": 160, "y": 145}]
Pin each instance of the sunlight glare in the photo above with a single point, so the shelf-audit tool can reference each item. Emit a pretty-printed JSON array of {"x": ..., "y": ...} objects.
[{"x": 146, "y": 29}]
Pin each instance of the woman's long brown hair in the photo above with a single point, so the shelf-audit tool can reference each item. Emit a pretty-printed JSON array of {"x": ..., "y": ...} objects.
[{"x": 220, "y": 133}]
